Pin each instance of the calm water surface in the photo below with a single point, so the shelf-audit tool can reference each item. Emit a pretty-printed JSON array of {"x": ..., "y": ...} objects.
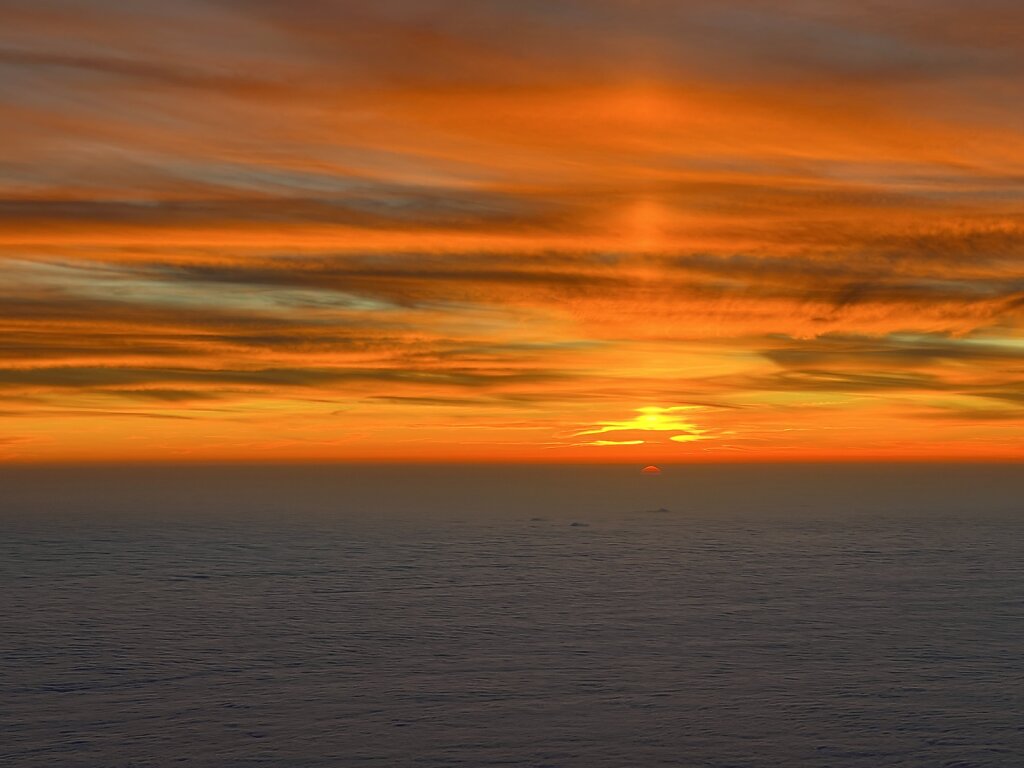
[{"x": 592, "y": 617}]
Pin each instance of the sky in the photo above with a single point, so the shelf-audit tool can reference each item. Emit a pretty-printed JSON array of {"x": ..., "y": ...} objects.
[{"x": 511, "y": 230}]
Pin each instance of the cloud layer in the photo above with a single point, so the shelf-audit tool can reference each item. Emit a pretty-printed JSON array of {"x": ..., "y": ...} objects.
[{"x": 450, "y": 230}]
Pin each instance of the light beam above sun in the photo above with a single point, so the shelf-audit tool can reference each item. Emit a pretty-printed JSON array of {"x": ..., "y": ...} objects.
[{"x": 586, "y": 231}]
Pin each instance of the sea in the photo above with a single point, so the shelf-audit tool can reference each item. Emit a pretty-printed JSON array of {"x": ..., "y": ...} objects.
[{"x": 367, "y": 616}]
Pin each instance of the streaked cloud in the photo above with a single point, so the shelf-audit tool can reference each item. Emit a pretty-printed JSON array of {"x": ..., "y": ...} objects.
[{"x": 702, "y": 230}]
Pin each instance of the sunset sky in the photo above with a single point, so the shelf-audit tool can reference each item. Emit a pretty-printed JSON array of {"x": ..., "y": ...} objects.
[{"x": 528, "y": 230}]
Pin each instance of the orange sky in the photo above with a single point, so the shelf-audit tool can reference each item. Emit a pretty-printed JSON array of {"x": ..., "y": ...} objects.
[{"x": 612, "y": 230}]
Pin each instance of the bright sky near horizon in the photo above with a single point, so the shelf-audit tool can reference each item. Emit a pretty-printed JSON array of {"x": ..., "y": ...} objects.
[{"x": 609, "y": 230}]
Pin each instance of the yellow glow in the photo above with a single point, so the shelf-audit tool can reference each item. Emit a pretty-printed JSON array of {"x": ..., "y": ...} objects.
[{"x": 652, "y": 418}]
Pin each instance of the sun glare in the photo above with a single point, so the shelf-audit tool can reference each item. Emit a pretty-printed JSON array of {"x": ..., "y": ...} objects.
[{"x": 650, "y": 418}]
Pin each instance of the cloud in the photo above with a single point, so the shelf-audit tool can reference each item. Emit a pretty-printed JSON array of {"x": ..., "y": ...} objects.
[
  {"x": 900, "y": 350},
  {"x": 458, "y": 402},
  {"x": 383, "y": 208},
  {"x": 612, "y": 442},
  {"x": 102, "y": 376},
  {"x": 411, "y": 212},
  {"x": 147, "y": 72},
  {"x": 95, "y": 413},
  {"x": 843, "y": 381},
  {"x": 164, "y": 395},
  {"x": 975, "y": 414}
]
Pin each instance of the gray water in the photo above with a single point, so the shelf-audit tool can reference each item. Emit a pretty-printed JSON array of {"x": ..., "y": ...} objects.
[{"x": 530, "y": 616}]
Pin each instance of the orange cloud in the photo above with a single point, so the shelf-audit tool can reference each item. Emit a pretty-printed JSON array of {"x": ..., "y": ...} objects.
[{"x": 353, "y": 231}]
